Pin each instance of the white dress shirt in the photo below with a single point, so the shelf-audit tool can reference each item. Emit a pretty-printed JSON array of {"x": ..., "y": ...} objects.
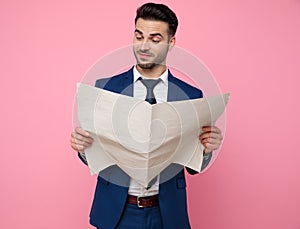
[{"x": 161, "y": 95}]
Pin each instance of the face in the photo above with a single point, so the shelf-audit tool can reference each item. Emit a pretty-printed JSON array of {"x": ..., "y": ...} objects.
[{"x": 151, "y": 43}]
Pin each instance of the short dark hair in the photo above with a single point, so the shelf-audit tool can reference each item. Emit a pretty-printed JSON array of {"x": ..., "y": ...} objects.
[{"x": 158, "y": 12}]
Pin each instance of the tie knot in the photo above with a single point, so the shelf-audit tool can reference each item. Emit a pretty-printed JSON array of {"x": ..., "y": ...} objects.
[{"x": 150, "y": 84}]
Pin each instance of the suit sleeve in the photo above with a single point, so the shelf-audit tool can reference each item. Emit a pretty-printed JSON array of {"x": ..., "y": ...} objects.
[
  {"x": 82, "y": 158},
  {"x": 205, "y": 162}
]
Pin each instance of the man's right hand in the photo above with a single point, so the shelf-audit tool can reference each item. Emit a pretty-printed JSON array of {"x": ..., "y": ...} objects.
[{"x": 80, "y": 139}]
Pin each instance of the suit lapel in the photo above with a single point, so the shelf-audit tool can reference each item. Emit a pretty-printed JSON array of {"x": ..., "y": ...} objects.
[
  {"x": 172, "y": 88},
  {"x": 127, "y": 85}
]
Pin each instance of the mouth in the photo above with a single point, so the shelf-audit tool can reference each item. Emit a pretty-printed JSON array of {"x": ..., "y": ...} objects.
[{"x": 144, "y": 55}]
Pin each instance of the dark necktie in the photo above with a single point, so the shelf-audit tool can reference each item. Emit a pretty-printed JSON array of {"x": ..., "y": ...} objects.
[
  {"x": 150, "y": 98},
  {"x": 150, "y": 84}
]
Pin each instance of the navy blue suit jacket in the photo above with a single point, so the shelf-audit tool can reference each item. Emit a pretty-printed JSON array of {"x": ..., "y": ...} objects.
[{"x": 112, "y": 185}]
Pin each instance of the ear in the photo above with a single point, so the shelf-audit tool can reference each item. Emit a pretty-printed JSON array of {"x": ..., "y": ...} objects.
[{"x": 172, "y": 42}]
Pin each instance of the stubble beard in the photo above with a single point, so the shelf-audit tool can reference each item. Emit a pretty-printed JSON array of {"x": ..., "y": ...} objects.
[
  {"x": 150, "y": 65},
  {"x": 147, "y": 65}
]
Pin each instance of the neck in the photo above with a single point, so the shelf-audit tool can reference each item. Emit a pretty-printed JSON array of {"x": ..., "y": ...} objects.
[{"x": 154, "y": 72}]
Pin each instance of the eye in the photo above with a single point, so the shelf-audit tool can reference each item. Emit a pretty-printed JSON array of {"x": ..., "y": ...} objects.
[
  {"x": 156, "y": 40},
  {"x": 138, "y": 38}
]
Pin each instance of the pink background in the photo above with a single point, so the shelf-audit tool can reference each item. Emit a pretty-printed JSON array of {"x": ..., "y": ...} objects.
[{"x": 253, "y": 49}]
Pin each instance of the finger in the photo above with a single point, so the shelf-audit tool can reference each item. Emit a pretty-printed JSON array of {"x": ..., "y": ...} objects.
[
  {"x": 210, "y": 135},
  {"x": 77, "y": 147},
  {"x": 211, "y": 129},
  {"x": 82, "y": 138},
  {"x": 205, "y": 135},
  {"x": 210, "y": 147},
  {"x": 81, "y": 131},
  {"x": 79, "y": 142},
  {"x": 211, "y": 141}
]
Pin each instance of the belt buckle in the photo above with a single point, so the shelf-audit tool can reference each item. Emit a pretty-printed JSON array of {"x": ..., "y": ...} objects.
[{"x": 139, "y": 202}]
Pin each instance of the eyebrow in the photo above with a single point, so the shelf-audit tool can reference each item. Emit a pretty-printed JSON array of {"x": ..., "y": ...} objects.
[{"x": 151, "y": 34}]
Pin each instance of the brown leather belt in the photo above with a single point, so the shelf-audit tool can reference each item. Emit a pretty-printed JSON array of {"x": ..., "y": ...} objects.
[{"x": 143, "y": 202}]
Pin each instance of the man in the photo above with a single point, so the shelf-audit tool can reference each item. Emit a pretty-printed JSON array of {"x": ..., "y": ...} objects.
[{"x": 163, "y": 204}]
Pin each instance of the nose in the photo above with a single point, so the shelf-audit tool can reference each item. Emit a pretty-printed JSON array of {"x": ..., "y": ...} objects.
[{"x": 145, "y": 46}]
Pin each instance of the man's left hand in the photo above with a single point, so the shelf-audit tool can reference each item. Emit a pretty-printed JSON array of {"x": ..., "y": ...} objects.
[{"x": 211, "y": 138}]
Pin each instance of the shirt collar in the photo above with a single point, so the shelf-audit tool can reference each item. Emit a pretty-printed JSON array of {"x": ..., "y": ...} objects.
[{"x": 163, "y": 77}]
